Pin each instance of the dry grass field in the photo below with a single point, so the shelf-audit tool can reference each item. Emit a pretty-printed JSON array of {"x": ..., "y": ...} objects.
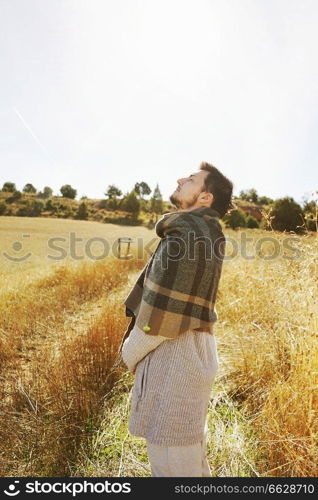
[
  {"x": 64, "y": 409},
  {"x": 21, "y": 236}
]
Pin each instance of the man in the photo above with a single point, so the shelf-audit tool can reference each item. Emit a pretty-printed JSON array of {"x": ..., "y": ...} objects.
[{"x": 169, "y": 344}]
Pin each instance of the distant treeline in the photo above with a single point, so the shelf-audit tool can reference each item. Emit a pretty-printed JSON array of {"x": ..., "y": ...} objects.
[
  {"x": 137, "y": 205},
  {"x": 142, "y": 205},
  {"x": 114, "y": 196}
]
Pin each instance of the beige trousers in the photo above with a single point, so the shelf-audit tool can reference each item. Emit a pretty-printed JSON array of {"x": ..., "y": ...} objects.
[{"x": 180, "y": 461}]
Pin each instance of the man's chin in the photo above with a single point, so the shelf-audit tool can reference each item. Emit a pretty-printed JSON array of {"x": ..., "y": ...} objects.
[{"x": 174, "y": 200}]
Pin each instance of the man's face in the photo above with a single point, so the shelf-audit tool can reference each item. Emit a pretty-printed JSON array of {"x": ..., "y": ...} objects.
[{"x": 189, "y": 192}]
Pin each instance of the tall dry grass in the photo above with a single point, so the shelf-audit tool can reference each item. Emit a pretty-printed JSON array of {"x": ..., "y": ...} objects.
[
  {"x": 264, "y": 404},
  {"x": 269, "y": 336},
  {"x": 49, "y": 300},
  {"x": 50, "y": 402}
]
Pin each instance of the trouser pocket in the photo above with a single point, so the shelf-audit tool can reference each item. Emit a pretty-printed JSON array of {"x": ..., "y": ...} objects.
[{"x": 143, "y": 378}]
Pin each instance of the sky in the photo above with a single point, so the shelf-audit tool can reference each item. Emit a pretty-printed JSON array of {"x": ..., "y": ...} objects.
[{"x": 99, "y": 92}]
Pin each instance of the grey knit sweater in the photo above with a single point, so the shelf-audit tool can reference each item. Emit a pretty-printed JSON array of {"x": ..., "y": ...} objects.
[{"x": 172, "y": 387}]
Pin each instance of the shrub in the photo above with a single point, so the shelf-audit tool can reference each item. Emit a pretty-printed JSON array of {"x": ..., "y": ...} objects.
[
  {"x": 311, "y": 223},
  {"x": 251, "y": 222},
  {"x": 33, "y": 209},
  {"x": 263, "y": 224},
  {"x": 3, "y": 207},
  {"x": 103, "y": 204},
  {"x": 131, "y": 203},
  {"x": 113, "y": 203},
  {"x": 82, "y": 212},
  {"x": 310, "y": 210},
  {"x": 23, "y": 211},
  {"x": 49, "y": 206},
  {"x": 15, "y": 197},
  {"x": 68, "y": 213},
  {"x": 36, "y": 208},
  {"x": 236, "y": 218},
  {"x": 287, "y": 215}
]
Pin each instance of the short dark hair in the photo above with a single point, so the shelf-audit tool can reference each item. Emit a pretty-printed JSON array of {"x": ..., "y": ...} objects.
[{"x": 220, "y": 186}]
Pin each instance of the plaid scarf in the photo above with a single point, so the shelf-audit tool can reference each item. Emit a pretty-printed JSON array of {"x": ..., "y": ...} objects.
[{"x": 176, "y": 291}]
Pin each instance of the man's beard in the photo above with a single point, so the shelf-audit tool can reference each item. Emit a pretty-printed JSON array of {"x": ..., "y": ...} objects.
[
  {"x": 180, "y": 203},
  {"x": 174, "y": 200}
]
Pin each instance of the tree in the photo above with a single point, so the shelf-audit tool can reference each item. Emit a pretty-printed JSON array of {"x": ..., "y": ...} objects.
[
  {"x": 112, "y": 193},
  {"x": 265, "y": 200},
  {"x": 251, "y": 222},
  {"x": 142, "y": 189},
  {"x": 242, "y": 195},
  {"x": 82, "y": 212},
  {"x": 287, "y": 215},
  {"x": 9, "y": 187},
  {"x": 46, "y": 193},
  {"x": 131, "y": 203},
  {"x": 249, "y": 195},
  {"x": 68, "y": 192},
  {"x": 137, "y": 188},
  {"x": 29, "y": 188},
  {"x": 236, "y": 218},
  {"x": 156, "y": 201}
]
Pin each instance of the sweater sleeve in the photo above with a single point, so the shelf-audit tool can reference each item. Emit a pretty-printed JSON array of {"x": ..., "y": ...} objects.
[{"x": 138, "y": 345}]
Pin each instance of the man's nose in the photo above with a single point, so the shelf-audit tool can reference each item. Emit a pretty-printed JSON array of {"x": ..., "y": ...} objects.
[{"x": 181, "y": 181}]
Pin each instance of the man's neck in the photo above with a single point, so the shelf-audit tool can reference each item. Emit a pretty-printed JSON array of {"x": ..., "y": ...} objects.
[{"x": 192, "y": 208}]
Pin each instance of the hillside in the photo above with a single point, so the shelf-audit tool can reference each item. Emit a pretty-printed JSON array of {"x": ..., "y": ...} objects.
[
  {"x": 32, "y": 205},
  {"x": 58, "y": 207}
]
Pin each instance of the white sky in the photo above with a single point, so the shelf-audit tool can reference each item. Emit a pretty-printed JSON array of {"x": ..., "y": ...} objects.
[{"x": 95, "y": 92}]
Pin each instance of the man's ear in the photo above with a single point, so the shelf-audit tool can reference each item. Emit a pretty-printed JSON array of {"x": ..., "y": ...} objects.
[{"x": 207, "y": 197}]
